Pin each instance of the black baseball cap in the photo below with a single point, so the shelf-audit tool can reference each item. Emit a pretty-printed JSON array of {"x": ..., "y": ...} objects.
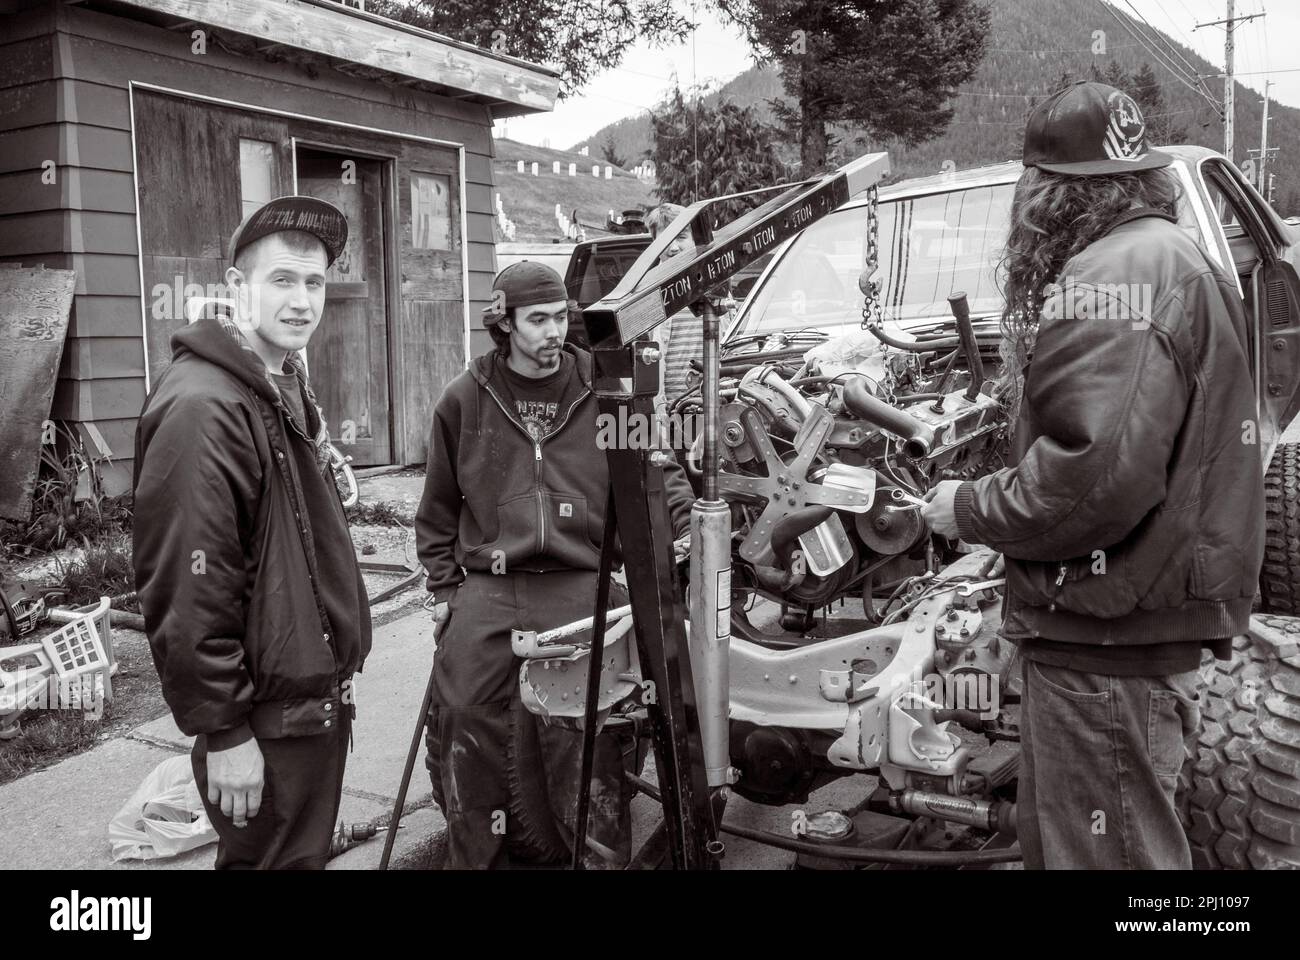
[
  {"x": 1089, "y": 129},
  {"x": 322, "y": 220},
  {"x": 523, "y": 284}
]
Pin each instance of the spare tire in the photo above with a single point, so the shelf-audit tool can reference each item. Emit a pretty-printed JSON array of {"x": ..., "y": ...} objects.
[
  {"x": 1239, "y": 791},
  {"x": 1279, "y": 581}
]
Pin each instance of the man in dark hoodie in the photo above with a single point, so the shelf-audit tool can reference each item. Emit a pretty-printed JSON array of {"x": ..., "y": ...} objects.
[
  {"x": 515, "y": 494},
  {"x": 253, "y": 601},
  {"x": 1132, "y": 518}
]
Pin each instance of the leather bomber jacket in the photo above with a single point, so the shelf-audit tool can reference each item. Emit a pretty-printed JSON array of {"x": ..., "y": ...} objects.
[{"x": 1134, "y": 511}]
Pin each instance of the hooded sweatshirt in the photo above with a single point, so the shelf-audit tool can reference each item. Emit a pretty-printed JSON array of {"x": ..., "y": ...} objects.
[
  {"x": 498, "y": 499},
  {"x": 253, "y": 601}
]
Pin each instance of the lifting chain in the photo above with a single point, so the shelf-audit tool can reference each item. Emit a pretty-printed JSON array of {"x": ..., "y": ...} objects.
[{"x": 868, "y": 283}]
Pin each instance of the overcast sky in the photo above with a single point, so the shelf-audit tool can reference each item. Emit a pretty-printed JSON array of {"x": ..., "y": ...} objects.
[{"x": 716, "y": 53}]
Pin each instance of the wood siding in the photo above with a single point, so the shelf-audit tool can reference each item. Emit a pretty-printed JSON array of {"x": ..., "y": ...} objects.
[{"x": 65, "y": 75}]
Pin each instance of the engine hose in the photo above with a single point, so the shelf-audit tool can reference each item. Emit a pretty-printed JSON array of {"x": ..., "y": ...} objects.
[
  {"x": 693, "y": 455},
  {"x": 768, "y": 377},
  {"x": 920, "y": 346},
  {"x": 788, "y": 530},
  {"x": 914, "y": 858},
  {"x": 785, "y": 537},
  {"x": 745, "y": 361},
  {"x": 917, "y": 397},
  {"x": 918, "y": 437}
]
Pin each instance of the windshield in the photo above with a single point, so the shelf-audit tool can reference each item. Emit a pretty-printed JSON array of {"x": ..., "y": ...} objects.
[{"x": 930, "y": 247}]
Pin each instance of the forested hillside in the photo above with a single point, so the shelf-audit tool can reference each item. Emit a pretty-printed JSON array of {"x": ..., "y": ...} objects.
[{"x": 1033, "y": 45}]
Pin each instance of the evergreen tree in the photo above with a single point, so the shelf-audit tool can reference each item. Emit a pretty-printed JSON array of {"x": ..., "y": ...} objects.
[
  {"x": 609, "y": 150},
  {"x": 705, "y": 151},
  {"x": 582, "y": 36},
  {"x": 890, "y": 67},
  {"x": 1162, "y": 125}
]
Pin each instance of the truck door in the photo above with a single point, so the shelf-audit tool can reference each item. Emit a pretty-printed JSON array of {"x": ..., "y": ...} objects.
[{"x": 1263, "y": 251}]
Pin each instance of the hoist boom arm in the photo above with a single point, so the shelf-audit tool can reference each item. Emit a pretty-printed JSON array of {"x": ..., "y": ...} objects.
[{"x": 648, "y": 293}]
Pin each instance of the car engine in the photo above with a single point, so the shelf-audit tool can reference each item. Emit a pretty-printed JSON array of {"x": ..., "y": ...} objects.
[{"x": 827, "y": 445}]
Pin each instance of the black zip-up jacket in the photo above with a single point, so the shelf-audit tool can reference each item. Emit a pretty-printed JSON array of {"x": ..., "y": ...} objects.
[
  {"x": 253, "y": 601},
  {"x": 1135, "y": 511},
  {"x": 493, "y": 497}
]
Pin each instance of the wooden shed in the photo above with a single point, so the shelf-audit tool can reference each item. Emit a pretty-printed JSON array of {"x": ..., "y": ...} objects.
[{"x": 134, "y": 135}]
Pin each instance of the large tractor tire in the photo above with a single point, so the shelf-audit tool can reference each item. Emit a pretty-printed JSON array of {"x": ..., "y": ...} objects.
[
  {"x": 1239, "y": 792},
  {"x": 1279, "y": 582}
]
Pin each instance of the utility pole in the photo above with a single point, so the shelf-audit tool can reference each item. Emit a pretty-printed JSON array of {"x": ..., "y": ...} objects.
[
  {"x": 1263, "y": 144},
  {"x": 1229, "y": 24},
  {"x": 1264, "y": 152}
]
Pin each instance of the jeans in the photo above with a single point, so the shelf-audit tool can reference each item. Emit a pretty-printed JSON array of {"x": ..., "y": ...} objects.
[{"x": 1100, "y": 757}]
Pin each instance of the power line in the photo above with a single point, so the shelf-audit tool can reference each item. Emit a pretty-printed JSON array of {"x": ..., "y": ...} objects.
[
  {"x": 1190, "y": 46},
  {"x": 1123, "y": 22},
  {"x": 1252, "y": 73},
  {"x": 1153, "y": 45},
  {"x": 1160, "y": 35},
  {"x": 1113, "y": 46}
]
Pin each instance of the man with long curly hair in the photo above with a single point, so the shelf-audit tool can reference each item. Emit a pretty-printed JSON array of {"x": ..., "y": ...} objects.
[{"x": 1132, "y": 518}]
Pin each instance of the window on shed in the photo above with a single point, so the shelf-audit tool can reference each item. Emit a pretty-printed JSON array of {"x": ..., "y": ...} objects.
[
  {"x": 430, "y": 211},
  {"x": 257, "y": 174}
]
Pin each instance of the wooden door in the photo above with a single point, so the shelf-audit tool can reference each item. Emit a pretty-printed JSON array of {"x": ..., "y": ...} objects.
[
  {"x": 347, "y": 358},
  {"x": 188, "y": 174},
  {"x": 432, "y": 254}
]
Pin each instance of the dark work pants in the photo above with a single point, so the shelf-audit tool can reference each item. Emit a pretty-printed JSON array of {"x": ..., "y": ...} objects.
[
  {"x": 1099, "y": 763},
  {"x": 476, "y": 689},
  {"x": 303, "y": 784}
]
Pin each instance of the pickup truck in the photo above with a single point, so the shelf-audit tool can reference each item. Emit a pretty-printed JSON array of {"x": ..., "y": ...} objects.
[
  {"x": 945, "y": 233},
  {"x": 1239, "y": 788}
]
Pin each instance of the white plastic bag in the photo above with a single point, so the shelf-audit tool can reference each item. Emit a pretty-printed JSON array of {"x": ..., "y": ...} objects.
[
  {"x": 857, "y": 350},
  {"x": 164, "y": 816}
]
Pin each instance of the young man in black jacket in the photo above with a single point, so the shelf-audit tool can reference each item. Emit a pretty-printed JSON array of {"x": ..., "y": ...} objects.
[
  {"x": 509, "y": 532},
  {"x": 253, "y": 601},
  {"x": 1132, "y": 520}
]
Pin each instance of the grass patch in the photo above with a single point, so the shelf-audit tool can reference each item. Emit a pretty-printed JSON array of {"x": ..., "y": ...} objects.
[
  {"x": 104, "y": 571},
  {"x": 378, "y": 514},
  {"x": 47, "y": 736}
]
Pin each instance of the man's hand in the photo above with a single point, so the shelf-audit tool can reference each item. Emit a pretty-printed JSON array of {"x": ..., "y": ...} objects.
[
  {"x": 235, "y": 781},
  {"x": 938, "y": 512},
  {"x": 682, "y": 548},
  {"x": 441, "y": 613}
]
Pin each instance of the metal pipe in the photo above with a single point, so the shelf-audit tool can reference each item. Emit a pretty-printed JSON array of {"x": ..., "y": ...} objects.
[
  {"x": 711, "y": 401},
  {"x": 997, "y": 816},
  {"x": 578, "y": 626},
  {"x": 770, "y": 378},
  {"x": 966, "y": 333},
  {"x": 918, "y": 436},
  {"x": 710, "y": 633},
  {"x": 595, "y": 661}
]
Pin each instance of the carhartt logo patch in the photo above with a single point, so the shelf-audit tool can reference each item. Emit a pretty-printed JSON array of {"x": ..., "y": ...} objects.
[{"x": 566, "y": 509}]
